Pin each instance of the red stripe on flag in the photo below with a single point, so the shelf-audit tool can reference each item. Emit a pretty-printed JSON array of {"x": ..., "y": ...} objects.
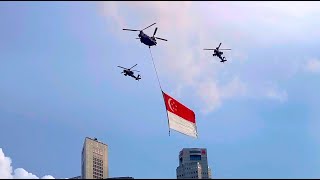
[{"x": 179, "y": 109}]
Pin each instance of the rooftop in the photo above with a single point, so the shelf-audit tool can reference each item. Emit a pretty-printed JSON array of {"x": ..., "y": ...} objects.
[{"x": 95, "y": 139}]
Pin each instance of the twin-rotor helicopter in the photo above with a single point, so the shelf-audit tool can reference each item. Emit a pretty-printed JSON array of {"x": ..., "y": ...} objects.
[{"x": 145, "y": 39}]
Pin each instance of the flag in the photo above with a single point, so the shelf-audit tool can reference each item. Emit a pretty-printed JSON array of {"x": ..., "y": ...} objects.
[{"x": 181, "y": 118}]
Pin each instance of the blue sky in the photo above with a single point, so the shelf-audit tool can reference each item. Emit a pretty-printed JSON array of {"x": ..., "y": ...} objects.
[{"x": 256, "y": 114}]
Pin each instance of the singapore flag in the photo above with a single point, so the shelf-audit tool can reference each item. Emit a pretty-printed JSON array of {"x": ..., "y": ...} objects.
[{"x": 181, "y": 118}]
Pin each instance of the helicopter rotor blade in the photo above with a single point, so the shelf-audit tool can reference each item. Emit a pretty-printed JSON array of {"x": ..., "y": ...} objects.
[
  {"x": 148, "y": 26},
  {"x": 224, "y": 49},
  {"x": 133, "y": 66},
  {"x": 208, "y": 49},
  {"x": 219, "y": 46},
  {"x": 122, "y": 67},
  {"x": 155, "y": 31},
  {"x": 135, "y": 70},
  {"x": 161, "y": 39},
  {"x": 130, "y": 30}
]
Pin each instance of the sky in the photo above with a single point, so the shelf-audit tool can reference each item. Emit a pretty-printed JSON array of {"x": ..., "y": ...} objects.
[{"x": 256, "y": 114}]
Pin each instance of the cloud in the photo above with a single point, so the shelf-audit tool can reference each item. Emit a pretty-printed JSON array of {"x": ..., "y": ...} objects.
[
  {"x": 212, "y": 94},
  {"x": 47, "y": 177},
  {"x": 177, "y": 92},
  {"x": 19, "y": 173},
  {"x": 5, "y": 166},
  {"x": 270, "y": 22},
  {"x": 192, "y": 26},
  {"x": 281, "y": 96},
  {"x": 313, "y": 66}
]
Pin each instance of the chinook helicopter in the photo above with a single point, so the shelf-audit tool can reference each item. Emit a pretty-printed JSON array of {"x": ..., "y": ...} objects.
[{"x": 145, "y": 39}]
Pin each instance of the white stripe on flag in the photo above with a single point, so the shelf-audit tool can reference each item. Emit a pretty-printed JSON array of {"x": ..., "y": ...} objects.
[{"x": 181, "y": 125}]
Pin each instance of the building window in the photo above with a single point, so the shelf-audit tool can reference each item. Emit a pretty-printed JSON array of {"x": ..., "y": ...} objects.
[
  {"x": 194, "y": 151},
  {"x": 195, "y": 157}
]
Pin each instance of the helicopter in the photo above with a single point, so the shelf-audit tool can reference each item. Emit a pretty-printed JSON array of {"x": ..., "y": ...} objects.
[
  {"x": 218, "y": 53},
  {"x": 145, "y": 39},
  {"x": 129, "y": 72}
]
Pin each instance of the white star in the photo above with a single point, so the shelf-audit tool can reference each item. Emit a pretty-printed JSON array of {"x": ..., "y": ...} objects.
[{"x": 172, "y": 105}]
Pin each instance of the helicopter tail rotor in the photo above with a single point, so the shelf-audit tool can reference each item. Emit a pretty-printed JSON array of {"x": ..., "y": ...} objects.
[{"x": 138, "y": 77}]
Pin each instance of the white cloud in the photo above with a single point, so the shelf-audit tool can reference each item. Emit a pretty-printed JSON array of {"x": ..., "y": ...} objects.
[
  {"x": 5, "y": 166},
  {"x": 281, "y": 96},
  {"x": 313, "y": 66},
  {"x": 19, "y": 173},
  {"x": 177, "y": 93},
  {"x": 209, "y": 93},
  {"x": 192, "y": 26},
  {"x": 47, "y": 177},
  {"x": 212, "y": 93}
]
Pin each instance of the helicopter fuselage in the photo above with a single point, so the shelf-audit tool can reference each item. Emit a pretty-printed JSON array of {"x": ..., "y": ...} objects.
[
  {"x": 127, "y": 72},
  {"x": 147, "y": 40},
  {"x": 130, "y": 73},
  {"x": 219, "y": 53}
]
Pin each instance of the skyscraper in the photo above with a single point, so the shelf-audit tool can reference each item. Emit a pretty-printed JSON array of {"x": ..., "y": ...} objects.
[
  {"x": 94, "y": 159},
  {"x": 193, "y": 164}
]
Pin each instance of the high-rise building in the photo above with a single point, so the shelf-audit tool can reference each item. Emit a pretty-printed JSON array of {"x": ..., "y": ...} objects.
[
  {"x": 94, "y": 159},
  {"x": 193, "y": 164}
]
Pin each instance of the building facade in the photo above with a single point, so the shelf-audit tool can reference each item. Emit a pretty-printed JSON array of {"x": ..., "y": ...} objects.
[
  {"x": 94, "y": 159},
  {"x": 193, "y": 164}
]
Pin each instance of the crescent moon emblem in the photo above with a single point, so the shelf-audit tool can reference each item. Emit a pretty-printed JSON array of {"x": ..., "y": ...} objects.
[{"x": 170, "y": 104}]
